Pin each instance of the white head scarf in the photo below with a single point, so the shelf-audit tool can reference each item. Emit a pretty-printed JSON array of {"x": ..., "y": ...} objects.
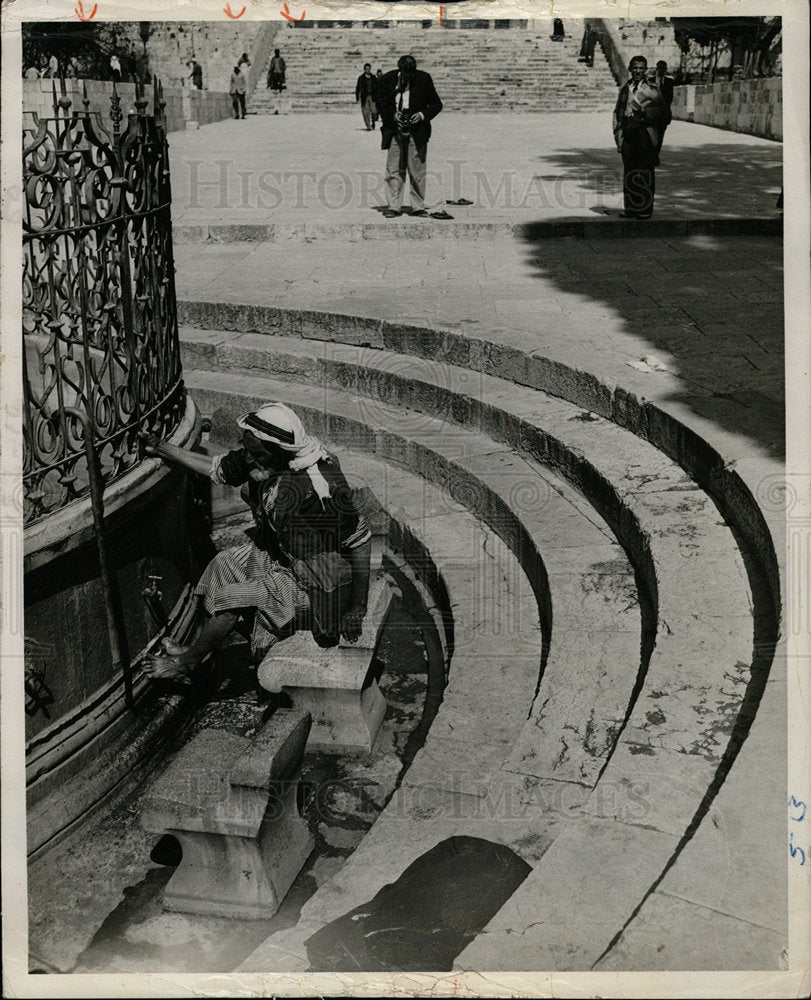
[{"x": 280, "y": 426}]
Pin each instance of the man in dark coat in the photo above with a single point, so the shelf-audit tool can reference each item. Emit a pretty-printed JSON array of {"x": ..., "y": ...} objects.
[
  {"x": 406, "y": 102},
  {"x": 366, "y": 93},
  {"x": 639, "y": 114}
]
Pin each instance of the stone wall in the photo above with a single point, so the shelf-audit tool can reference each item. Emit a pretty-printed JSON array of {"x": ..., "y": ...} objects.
[
  {"x": 752, "y": 106},
  {"x": 621, "y": 39},
  {"x": 216, "y": 46},
  {"x": 182, "y": 106}
]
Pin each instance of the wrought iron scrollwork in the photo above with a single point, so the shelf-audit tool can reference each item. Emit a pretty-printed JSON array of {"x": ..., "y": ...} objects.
[{"x": 99, "y": 309}]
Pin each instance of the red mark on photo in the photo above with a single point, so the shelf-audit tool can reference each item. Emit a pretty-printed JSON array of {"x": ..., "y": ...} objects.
[
  {"x": 286, "y": 13},
  {"x": 440, "y": 15},
  {"x": 79, "y": 12},
  {"x": 227, "y": 10}
]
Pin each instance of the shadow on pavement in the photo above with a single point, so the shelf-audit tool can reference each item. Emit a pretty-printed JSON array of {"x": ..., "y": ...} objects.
[
  {"x": 711, "y": 180},
  {"x": 710, "y": 309}
]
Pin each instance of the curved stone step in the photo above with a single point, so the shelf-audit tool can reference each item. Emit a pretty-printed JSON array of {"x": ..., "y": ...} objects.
[
  {"x": 682, "y": 551},
  {"x": 711, "y": 664},
  {"x": 631, "y": 477},
  {"x": 522, "y": 364},
  {"x": 593, "y": 601}
]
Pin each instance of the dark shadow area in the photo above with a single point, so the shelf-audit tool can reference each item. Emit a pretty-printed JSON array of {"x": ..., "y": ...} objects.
[
  {"x": 709, "y": 306},
  {"x": 708, "y": 181},
  {"x": 428, "y": 916}
]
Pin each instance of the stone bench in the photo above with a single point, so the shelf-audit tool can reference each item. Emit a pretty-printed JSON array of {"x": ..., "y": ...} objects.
[
  {"x": 335, "y": 685},
  {"x": 231, "y": 802}
]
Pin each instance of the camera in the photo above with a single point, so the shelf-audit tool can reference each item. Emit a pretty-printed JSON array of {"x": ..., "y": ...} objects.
[{"x": 405, "y": 122}]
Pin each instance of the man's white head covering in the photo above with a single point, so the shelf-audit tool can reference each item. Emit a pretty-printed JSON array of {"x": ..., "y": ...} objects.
[{"x": 279, "y": 425}]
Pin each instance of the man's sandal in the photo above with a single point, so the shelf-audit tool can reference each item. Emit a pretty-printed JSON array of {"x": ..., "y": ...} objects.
[{"x": 440, "y": 215}]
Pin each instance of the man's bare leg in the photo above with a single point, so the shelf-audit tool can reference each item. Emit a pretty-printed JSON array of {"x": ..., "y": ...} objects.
[{"x": 180, "y": 662}]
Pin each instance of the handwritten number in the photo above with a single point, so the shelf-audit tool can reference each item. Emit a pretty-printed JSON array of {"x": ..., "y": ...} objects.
[
  {"x": 796, "y": 804},
  {"x": 796, "y": 850}
]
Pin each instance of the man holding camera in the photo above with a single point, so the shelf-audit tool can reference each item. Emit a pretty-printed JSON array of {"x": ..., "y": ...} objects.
[
  {"x": 639, "y": 114},
  {"x": 407, "y": 101}
]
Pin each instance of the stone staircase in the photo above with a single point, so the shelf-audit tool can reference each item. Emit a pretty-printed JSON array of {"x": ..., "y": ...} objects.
[
  {"x": 585, "y": 667},
  {"x": 473, "y": 70}
]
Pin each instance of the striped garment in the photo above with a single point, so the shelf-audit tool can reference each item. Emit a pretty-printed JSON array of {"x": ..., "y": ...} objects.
[{"x": 245, "y": 579}]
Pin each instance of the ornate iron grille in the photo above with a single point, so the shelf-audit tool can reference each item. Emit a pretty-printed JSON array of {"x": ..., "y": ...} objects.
[{"x": 99, "y": 310}]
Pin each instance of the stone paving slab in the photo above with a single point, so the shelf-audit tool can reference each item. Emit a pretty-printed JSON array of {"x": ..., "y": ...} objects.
[
  {"x": 620, "y": 860},
  {"x": 676, "y": 934},
  {"x": 288, "y": 179}
]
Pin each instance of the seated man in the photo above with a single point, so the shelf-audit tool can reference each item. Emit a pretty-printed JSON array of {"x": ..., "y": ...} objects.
[{"x": 307, "y": 564}]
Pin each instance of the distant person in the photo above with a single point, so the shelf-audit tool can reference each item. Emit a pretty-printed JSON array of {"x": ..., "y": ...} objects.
[
  {"x": 244, "y": 61},
  {"x": 407, "y": 101},
  {"x": 665, "y": 84},
  {"x": 237, "y": 89},
  {"x": 115, "y": 68},
  {"x": 132, "y": 65},
  {"x": 638, "y": 115},
  {"x": 366, "y": 93},
  {"x": 558, "y": 34},
  {"x": 276, "y": 72},
  {"x": 32, "y": 73},
  {"x": 378, "y": 78},
  {"x": 72, "y": 70},
  {"x": 196, "y": 75},
  {"x": 587, "y": 46}
]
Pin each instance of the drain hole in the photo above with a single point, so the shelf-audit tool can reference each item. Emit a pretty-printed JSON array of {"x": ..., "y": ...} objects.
[
  {"x": 167, "y": 851},
  {"x": 428, "y": 916}
]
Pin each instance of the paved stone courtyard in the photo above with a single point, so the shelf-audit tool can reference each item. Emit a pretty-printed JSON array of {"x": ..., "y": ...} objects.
[{"x": 326, "y": 170}]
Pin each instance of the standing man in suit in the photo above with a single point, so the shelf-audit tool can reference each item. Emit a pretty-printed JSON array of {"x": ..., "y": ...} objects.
[
  {"x": 407, "y": 101},
  {"x": 638, "y": 116},
  {"x": 366, "y": 93}
]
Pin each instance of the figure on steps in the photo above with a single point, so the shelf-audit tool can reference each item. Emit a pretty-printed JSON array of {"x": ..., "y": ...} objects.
[
  {"x": 307, "y": 563},
  {"x": 276, "y": 72}
]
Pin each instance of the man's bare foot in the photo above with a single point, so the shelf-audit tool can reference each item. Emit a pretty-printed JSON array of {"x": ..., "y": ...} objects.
[{"x": 178, "y": 668}]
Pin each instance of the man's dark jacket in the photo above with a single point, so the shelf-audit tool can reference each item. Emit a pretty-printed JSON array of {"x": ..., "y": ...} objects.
[
  {"x": 365, "y": 87},
  {"x": 422, "y": 97},
  {"x": 656, "y": 114}
]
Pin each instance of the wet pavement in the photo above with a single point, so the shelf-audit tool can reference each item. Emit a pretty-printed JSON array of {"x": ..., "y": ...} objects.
[{"x": 96, "y": 900}]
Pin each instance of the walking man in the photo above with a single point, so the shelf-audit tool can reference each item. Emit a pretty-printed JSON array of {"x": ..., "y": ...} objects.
[
  {"x": 407, "y": 102},
  {"x": 237, "y": 90},
  {"x": 638, "y": 116},
  {"x": 276, "y": 72},
  {"x": 366, "y": 93},
  {"x": 196, "y": 75}
]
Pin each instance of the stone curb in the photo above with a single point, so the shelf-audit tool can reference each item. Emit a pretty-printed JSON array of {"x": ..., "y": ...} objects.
[{"x": 410, "y": 229}]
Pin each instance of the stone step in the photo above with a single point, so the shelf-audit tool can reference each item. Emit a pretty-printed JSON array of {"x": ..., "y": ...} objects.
[
  {"x": 613, "y": 838},
  {"x": 580, "y": 577},
  {"x": 669, "y": 526},
  {"x": 469, "y": 68}
]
